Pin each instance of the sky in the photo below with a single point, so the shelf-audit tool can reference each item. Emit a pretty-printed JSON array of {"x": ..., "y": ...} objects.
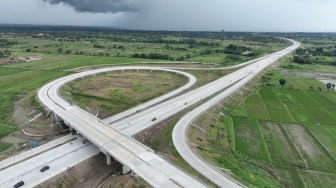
[{"x": 180, "y": 15}]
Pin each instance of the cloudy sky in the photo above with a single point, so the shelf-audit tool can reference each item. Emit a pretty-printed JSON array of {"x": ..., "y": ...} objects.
[{"x": 195, "y": 15}]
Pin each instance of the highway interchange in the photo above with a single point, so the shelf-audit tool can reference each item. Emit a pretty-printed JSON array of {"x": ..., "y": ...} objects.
[{"x": 139, "y": 118}]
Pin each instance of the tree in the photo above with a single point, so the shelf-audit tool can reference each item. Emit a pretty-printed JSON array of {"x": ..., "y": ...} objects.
[
  {"x": 68, "y": 51},
  {"x": 28, "y": 50},
  {"x": 311, "y": 88},
  {"x": 60, "y": 50},
  {"x": 333, "y": 86},
  {"x": 320, "y": 89},
  {"x": 282, "y": 82},
  {"x": 328, "y": 85}
]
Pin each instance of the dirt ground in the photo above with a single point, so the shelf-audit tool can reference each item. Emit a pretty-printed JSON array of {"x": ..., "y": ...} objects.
[{"x": 37, "y": 127}]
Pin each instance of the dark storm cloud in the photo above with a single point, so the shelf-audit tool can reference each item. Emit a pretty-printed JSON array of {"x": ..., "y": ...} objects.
[{"x": 99, "y": 6}]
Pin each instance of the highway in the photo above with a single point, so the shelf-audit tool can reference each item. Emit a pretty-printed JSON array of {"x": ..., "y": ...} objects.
[
  {"x": 59, "y": 160},
  {"x": 180, "y": 130},
  {"x": 76, "y": 153},
  {"x": 140, "y": 158},
  {"x": 123, "y": 148}
]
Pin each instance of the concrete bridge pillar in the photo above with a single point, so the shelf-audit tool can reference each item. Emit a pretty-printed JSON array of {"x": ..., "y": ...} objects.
[
  {"x": 126, "y": 169},
  {"x": 55, "y": 118},
  {"x": 108, "y": 159}
]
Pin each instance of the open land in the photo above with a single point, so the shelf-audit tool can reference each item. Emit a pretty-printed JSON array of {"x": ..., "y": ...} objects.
[{"x": 269, "y": 136}]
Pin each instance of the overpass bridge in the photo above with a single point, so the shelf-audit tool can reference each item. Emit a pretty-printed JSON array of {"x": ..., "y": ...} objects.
[{"x": 114, "y": 144}]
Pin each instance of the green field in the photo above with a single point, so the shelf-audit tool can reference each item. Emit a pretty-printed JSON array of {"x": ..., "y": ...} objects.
[
  {"x": 256, "y": 108},
  {"x": 298, "y": 132},
  {"x": 309, "y": 148},
  {"x": 290, "y": 175},
  {"x": 280, "y": 148},
  {"x": 268, "y": 94},
  {"x": 118, "y": 91},
  {"x": 249, "y": 140},
  {"x": 318, "y": 179},
  {"x": 6, "y": 71},
  {"x": 327, "y": 139},
  {"x": 305, "y": 83},
  {"x": 65, "y": 62}
]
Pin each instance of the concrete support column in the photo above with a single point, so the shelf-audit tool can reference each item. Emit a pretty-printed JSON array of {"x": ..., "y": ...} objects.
[
  {"x": 70, "y": 129},
  {"x": 108, "y": 159},
  {"x": 55, "y": 118},
  {"x": 126, "y": 169}
]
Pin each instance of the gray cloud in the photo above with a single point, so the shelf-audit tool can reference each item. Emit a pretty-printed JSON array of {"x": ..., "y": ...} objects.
[{"x": 99, "y": 6}]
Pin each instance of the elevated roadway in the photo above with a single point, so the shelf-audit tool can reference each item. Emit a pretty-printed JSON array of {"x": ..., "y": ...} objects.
[{"x": 115, "y": 144}]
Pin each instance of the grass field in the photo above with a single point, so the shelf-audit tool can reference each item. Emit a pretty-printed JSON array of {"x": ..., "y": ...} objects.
[
  {"x": 248, "y": 139},
  {"x": 305, "y": 83},
  {"x": 5, "y": 146},
  {"x": 118, "y": 91},
  {"x": 21, "y": 83},
  {"x": 65, "y": 62},
  {"x": 117, "y": 49},
  {"x": 7, "y": 71}
]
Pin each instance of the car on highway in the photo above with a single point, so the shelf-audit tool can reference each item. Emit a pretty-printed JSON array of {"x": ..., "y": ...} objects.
[
  {"x": 85, "y": 141},
  {"x": 44, "y": 168},
  {"x": 19, "y": 184},
  {"x": 153, "y": 119},
  {"x": 185, "y": 103}
]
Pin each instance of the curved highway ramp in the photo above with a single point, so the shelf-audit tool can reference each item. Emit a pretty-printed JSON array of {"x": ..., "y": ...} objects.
[{"x": 129, "y": 152}]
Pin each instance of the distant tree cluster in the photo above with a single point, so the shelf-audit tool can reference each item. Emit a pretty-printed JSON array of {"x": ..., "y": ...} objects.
[
  {"x": 153, "y": 56},
  {"x": 236, "y": 50},
  {"x": 5, "y": 53},
  {"x": 4, "y": 43},
  {"x": 316, "y": 51}
]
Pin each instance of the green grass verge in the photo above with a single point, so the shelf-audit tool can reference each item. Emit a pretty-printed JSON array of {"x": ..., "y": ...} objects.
[{"x": 5, "y": 146}]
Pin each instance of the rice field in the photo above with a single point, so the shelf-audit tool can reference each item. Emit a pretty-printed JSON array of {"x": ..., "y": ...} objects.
[
  {"x": 326, "y": 138},
  {"x": 249, "y": 140},
  {"x": 280, "y": 147},
  {"x": 312, "y": 152},
  {"x": 297, "y": 128},
  {"x": 256, "y": 108}
]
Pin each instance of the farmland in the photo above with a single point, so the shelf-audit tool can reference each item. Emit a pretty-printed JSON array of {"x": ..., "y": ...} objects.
[
  {"x": 288, "y": 131},
  {"x": 274, "y": 136},
  {"x": 298, "y": 133}
]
